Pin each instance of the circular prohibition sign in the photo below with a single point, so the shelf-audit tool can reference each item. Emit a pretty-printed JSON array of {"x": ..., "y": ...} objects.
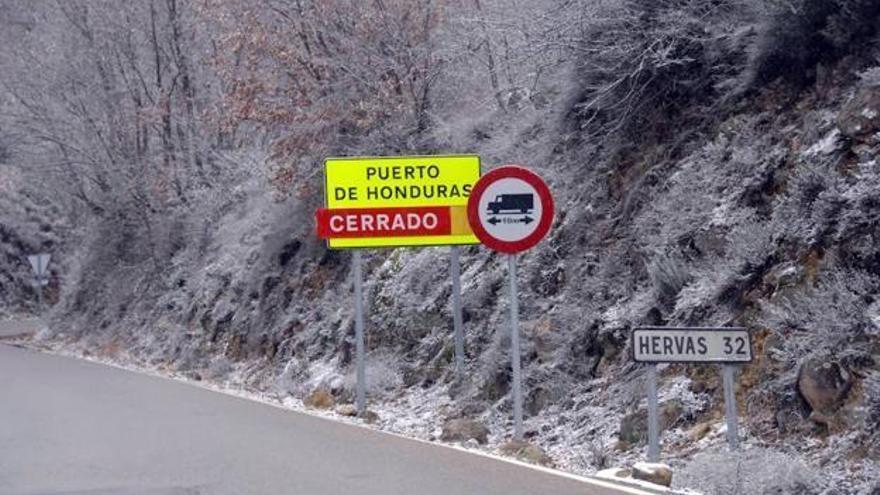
[{"x": 510, "y": 209}]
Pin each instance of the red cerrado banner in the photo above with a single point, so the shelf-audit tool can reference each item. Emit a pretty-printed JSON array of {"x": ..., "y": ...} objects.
[{"x": 337, "y": 223}]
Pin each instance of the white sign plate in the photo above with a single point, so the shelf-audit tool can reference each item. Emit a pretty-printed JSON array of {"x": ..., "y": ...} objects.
[
  {"x": 691, "y": 345},
  {"x": 510, "y": 209},
  {"x": 39, "y": 263}
]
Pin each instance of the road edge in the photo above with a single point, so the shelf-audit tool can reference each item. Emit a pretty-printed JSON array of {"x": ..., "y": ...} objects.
[{"x": 607, "y": 486}]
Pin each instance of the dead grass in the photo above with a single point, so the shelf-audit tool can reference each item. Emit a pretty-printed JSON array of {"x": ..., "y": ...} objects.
[{"x": 319, "y": 399}]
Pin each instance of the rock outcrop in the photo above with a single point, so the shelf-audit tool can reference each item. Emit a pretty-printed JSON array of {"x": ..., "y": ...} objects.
[
  {"x": 659, "y": 474},
  {"x": 462, "y": 430},
  {"x": 824, "y": 385}
]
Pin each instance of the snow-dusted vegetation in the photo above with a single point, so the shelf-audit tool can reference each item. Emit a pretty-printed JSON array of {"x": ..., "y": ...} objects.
[{"x": 713, "y": 162}]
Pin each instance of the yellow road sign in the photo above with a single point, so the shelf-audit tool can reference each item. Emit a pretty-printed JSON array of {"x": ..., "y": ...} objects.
[{"x": 406, "y": 187}]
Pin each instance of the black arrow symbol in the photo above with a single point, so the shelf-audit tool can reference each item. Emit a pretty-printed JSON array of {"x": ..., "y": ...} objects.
[
  {"x": 527, "y": 220},
  {"x": 494, "y": 221}
]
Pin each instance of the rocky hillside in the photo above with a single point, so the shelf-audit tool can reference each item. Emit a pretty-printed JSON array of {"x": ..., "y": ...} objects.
[{"x": 726, "y": 175}]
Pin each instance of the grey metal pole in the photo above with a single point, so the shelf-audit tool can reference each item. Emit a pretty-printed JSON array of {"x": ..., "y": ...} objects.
[
  {"x": 514, "y": 351},
  {"x": 361, "y": 392},
  {"x": 40, "y": 294},
  {"x": 653, "y": 416},
  {"x": 455, "y": 269},
  {"x": 727, "y": 374}
]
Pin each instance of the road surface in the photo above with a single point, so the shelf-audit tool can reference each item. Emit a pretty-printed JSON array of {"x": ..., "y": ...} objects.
[{"x": 72, "y": 427}]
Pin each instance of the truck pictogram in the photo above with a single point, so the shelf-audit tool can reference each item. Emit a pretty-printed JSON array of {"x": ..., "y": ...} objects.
[{"x": 512, "y": 204}]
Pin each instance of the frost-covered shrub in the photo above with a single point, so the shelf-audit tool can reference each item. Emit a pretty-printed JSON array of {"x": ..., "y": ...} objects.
[
  {"x": 870, "y": 77},
  {"x": 853, "y": 20},
  {"x": 755, "y": 471},
  {"x": 831, "y": 317},
  {"x": 219, "y": 368},
  {"x": 600, "y": 454},
  {"x": 668, "y": 274},
  {"x": 300, "y": 378},
  {"x": 641, "y": 63},
  {"x": 31, "y": 220},
  {"x": 799, "y": 34},
  {"x": 382, "y": 373},
  {"x": 808, "y": 210},
  {"x": 409, "y": 302}
]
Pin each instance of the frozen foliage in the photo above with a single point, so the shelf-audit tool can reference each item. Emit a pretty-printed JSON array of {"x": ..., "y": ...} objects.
[
  {"x": 758, "y": 471},
  {"x": 382, "y": 375},
  {"x": 643, "y": 64},
  {"x": 668, "y": 275},
  {"x": 829, "y": 318},
  {"x": 169, "y": 154},
  {"x": 30, "y": 223},
  {"x": 798, "y": 34}
]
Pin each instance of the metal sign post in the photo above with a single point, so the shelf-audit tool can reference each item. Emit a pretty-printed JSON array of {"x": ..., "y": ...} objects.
[
  {"x": 457, "y": 324},
  {"x": 510, "y": 210},
  {"x": 40, "y": 303},
  {"x": 653, "y": 416},
  {"x": 727, "y": 375},
  {"x": 361, "y": 392},
  {"x": 726, "y": 346},
  {"x": 515, "y": 351}
]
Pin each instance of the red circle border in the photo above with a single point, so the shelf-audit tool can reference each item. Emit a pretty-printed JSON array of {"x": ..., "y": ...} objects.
[{"x": 547, "y": 213}]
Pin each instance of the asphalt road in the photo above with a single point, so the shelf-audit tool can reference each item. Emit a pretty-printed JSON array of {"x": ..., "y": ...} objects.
[{"x": 72, "y": 427}]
